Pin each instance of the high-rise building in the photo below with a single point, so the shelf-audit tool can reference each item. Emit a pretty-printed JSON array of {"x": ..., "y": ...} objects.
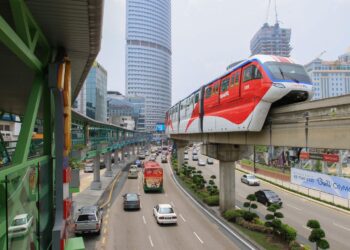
[
  {"x": 148, "y": 56},
  {"x": 271, "y": 40},
  {"x": 122, "y": 109},
  {"x": 330, "y": 78},
  {"x": 92, "y": 98}
]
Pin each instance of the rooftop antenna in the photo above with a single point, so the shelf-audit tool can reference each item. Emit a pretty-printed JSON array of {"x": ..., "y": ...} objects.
[{"x": 267, "y": 12}]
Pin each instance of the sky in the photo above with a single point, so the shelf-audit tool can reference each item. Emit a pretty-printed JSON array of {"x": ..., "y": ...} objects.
[{"x": 208, "y": 35}]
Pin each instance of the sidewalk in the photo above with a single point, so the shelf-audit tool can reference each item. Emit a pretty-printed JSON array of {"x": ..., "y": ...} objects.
[{"x": 90, "y": 197}]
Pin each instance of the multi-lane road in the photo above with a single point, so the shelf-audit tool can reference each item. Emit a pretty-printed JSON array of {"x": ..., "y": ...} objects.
[
  {"x": 296, "y": 209},
  {"x": 139, "y": 230}
]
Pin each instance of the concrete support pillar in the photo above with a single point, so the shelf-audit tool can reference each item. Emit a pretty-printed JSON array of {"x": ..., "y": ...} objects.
[
  {"x": 108, "y": 163},
  {"x": 180, "y": 148},
  {"x": 96, "y": 183},
  {"x": 227, "y": 155},
  {"x": 122, "y": 157},
  {"x": 116, "y": 157}
]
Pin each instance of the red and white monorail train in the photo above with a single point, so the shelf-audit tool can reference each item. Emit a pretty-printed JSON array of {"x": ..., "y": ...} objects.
[{"x": 240, "y": 99}]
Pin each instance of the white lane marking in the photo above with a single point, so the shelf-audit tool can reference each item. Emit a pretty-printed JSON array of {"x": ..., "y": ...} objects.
[
  {"x": 182, "y": 217},
  {"x": 172, "y": 203},
  {"x": 198, "y": 237},
  {"x": 210, "y": 215},
  {"x": 293, "y": 207},
  {"x": 337, "y": 225},
  {"x": 150, "y": 240},
  {"x": 144, "y": 219},
  {"x": 307, "y": 228}
]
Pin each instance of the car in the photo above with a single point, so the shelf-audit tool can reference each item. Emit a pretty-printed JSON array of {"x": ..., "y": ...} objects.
[
  {"x": 186, "y": 157},
  {"x": 89, "y": 166},
  {"x": 88, "y": 220},
  {"x": 20, "y": 225},
  {"x": 164, "y": 159},
  {"x": 201, "y": 162},
  {"x": 134, "y": 166},
  {"x": 131, "y": 201},
  {"x": 142, "y": 156},
  {"x": 186, "y": 151},
  {"x": 194, "y": 157},
  {"x": 210, "y": 161},
  {"x": 268, "y": 197},
  {"x": 164, "y": 214},
  {"x": 194, "y": 152},
  {"x": 147, "y": 153},
  {"x": 250, "y": 180},
  {"x": 138, "y": 163}
]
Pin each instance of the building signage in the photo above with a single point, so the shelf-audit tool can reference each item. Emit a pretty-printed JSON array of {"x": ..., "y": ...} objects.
[
  {"x": 319, "y": 156},
  {"x": 334, "y": 185}
]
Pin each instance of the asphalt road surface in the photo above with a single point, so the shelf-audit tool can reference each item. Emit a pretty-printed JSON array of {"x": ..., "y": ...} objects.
[
  {"x": 297, "y": 210},
  {"x": 139, "y": 230}
]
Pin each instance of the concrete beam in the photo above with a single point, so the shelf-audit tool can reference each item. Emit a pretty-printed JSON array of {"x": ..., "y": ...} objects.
[{"x": 180, "y": 148}]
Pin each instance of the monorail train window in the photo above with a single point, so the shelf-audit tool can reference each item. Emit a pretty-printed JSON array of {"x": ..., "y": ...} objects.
[
  {"x": 248, "y": 74},
  {"x": 208, "y": 92},
  {"x": 216, "y": 89},
  {"x": 256, "y": 73},
  {"x": 196, "y": 98},
  {"x": 237, "y": 78},
  {"x": 232, "y": 80},
  {"x": 224, "y": 84}
]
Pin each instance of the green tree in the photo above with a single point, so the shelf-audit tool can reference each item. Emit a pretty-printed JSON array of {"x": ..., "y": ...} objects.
[
  {"x": 273, "y": 218},
  {"x": 317, "y": 235},
  {"x": 250, "y": 203}
]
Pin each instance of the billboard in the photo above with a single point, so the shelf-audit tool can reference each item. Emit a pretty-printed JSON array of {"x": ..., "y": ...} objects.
[
  {"x": 160, "y": 127},
  {"x": 334, "y": 185}
]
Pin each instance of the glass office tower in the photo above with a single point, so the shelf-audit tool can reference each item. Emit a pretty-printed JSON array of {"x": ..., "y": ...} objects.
[{"x": 148, "y": 56}]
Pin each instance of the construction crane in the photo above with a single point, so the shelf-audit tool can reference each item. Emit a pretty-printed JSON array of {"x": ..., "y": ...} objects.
[
  {"x": 319, "y": 56},
  {"x": 268, "y": 12}
]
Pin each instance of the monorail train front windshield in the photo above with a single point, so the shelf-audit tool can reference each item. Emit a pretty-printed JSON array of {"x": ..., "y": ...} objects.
[{"x": 287, "y": 71}]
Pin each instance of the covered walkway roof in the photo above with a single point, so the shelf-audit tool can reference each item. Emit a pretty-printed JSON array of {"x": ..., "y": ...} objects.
[{"x": 75, "y": 26}]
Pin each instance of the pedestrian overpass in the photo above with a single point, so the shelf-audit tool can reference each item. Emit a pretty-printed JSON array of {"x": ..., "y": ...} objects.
[
  {"x": 47, "y": 48},
  {"x": 317, "y": 124}
]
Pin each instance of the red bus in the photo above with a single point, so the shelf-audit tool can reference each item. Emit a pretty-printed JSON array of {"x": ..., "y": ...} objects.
[{"x": 152, "y": 177}]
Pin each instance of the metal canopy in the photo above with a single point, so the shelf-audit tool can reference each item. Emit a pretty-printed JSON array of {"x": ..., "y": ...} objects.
[{"x": 75, "y": 26}]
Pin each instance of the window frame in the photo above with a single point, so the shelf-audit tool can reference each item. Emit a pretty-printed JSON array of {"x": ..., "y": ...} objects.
[
  {"x": 210, "y": 94},
  {"x": 225, "y": 81}
]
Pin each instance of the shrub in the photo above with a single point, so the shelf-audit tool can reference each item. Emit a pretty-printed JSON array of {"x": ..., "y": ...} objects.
[
  {"x": 233, "y": 214},
  {"x": 249, "y": 216},
  {"x": 254, "y": 227},
  {"x": 317, "y": 235},
  {"x": 193, "y": 186},
  {"x": 199, "y": 171},
  {"x": 313, "y": 224},
  {"x": 203, "y": 194},
  {"x": 294, "y": 245},
  {"x": 211, "y": 182},
  {"x": 288, "y": 233},
  {"x": 213, "y": 177},
  {"x": 212, "y": 200}
]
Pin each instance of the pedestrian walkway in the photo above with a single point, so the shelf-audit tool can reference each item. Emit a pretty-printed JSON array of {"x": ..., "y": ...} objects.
[{"x": 87, "y": 196}]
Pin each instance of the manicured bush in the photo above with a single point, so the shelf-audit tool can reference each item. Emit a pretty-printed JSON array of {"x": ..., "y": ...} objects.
[
  {"x": 252, "y": 226},
  {"x": 288, "y": 233},
  {"x": 203, "y": 194},
  {"x": 233, "y": 214},
  {"x": 211, "y": 182},
  {"x": 212, "y": 200},
  {"x": 294, "y": 245},
  {"x": 249, "y": 216},
  {"x": 213, "y": 177},
  {"x": 313, "y": 224},
  {"x": 317, "y": 235}
]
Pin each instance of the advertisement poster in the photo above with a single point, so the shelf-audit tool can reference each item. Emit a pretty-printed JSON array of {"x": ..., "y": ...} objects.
[{"x": 334, "y": 185}]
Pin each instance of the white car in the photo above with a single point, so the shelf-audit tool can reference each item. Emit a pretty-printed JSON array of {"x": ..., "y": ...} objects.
[
  {"x": 201, "y": 162},
  {"x": 186, "y": 158},
  {"x": 89, "y": 166},
  {"x": 164, "y": 214},
  {"x": 20, "y": 225},
  {"x": 250, "y": 179}
]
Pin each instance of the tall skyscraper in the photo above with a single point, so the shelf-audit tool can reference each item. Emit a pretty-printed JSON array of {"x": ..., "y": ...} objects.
[
  {"x": 330, "y": 78},
  {"x": 92, "y": 98},
  {"x": 148, "y": 56},
  {"x": 271, "y": 40}
]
